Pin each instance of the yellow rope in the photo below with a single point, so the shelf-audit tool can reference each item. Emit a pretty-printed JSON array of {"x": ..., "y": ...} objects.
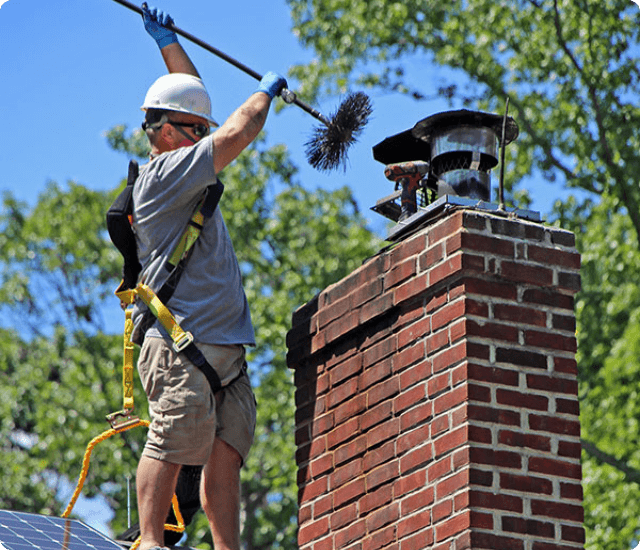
[{"x": 179, "y": 528}]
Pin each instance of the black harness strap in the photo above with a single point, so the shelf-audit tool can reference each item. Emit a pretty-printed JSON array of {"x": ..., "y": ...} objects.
[{"x": 121, "y": 234}]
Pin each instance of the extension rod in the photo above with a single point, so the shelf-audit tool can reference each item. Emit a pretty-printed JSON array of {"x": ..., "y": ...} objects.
[{"x": 287, "y": 95}]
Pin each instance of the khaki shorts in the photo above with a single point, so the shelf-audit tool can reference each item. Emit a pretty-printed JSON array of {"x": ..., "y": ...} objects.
[{"x": 185, "y": 416}]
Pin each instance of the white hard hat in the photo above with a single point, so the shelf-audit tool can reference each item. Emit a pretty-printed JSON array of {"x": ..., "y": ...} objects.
[{"x": 179, "y": 92}]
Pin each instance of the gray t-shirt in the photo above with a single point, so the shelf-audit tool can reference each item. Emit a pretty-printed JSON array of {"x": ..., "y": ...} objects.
[{"x": 209, "y": 300}]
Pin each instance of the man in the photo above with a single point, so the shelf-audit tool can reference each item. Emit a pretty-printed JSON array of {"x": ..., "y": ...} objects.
[{"x": 189, "y": 424}]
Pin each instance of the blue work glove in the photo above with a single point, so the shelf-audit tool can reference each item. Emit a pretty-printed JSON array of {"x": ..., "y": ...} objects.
[
  {"x": 156, "y": 23},
  {"x": 272, "y": 84}
]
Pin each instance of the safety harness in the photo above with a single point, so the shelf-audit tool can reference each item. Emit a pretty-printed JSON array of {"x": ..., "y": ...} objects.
[{"x": 119, "y": 225}]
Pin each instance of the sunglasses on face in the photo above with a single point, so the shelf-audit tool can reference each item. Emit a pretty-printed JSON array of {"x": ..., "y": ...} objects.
[{"x": 199, "y": 130}]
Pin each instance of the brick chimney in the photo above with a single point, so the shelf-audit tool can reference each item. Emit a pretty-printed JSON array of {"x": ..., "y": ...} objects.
[{"x": 436, "y": 394}]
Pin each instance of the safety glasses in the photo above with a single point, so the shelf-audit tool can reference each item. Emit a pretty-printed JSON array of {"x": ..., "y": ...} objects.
[{"x": 199, "y": 130}]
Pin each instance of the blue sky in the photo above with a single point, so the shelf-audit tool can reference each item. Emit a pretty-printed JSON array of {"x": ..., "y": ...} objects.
[{"x": 72, "y": 69}]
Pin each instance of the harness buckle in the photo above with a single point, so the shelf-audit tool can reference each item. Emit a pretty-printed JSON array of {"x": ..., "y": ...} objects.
[
  {"x": 179, "y": 344},
  {"x": 122, "y": 419}
]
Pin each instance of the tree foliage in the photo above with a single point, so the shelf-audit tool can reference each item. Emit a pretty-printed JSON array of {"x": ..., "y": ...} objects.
[
  {"x": 571, "y": 72},
  {"x": 60, "y": 361}
]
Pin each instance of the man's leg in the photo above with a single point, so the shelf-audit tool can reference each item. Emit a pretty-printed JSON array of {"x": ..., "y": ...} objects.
[
  {"x": 220, "y": 495},
  {"x": 155, "y": 483}
]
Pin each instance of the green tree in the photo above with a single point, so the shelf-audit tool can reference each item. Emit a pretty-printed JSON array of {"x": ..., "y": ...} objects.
[
  {"x": 571, "y": 72},
  {"x": 61, "y": 371}
]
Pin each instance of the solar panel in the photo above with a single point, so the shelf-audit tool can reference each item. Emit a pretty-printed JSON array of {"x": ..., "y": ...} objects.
[{"x": 23, "y": 531}]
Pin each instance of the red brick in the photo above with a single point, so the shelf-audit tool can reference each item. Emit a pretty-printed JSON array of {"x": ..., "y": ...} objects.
[
  {"x": 385, "y": 390},
  {"x": 384, "y": 538},
  {"x": 409, "y": 398},
  {"x": 557, "y": 510},
  {"x": 346, "y": 369},
  {"x": 548, "y": 297},
  {"x": 519, "y": 314},
  {"x": 522, "y": 400},
  {"x": 400, "y": 273},
  {"x": 349, "y": 410},
  {"x": 526, "y": 484},
  {"x": 527, "y": 440},
  {"x": 382, "y": 475},
  {"x": 479, "y": 539},
  {"x": 568, "y": 406},
  {"x": 506, "y": 291},
  {"x": 345, "y": 473},
  {"x": 351, "y": 450},
  {"x": 375, "y": 500},
  {"x": 415, "y": 459},
  {"x": 494, "y": 375},
  {"x": 438, "y": 384},
  {"x": 416, "y": 522},
  {"x": 409, "y": 484},
  {"x": 414, "y": 332},
  {"x": 480, "y": 477},
  {"x": 383, "y": 432},
  {"x": 350, "y": 492},
  {"x": 452, "y": 484},
  {"x": 522, "y": 357},
  {"x": 554, "y": 467},
  {"x": 409, "y": 247},
  {"x": 450, "y": 356},
  {"x": 451, "y": 399},
  {"x": 379, "y": 351},
  {"x": 442, "y": 509},
  {"x": 476, "y": 308},
  {"x": 565, "y": 365},
  {"x": 573, "y": 534},
  {"x": 492, "y": 331},
  {"x": 551, "y": 256},
  {"x": 447, "y": 314},
  {"x": 439, "y": 469},
  {"x": 349, "y": 534},
  {"x": 564, "y": 322},
  {"x": 554, "y": 425},
  {"x": 340, "y": 327},
  {"x": 571, "y": 491},
  {"x": 450, "y": 441},
  {"x": 438, "y": 340},
  {"x": 313, "y": 531},
  {"x": 550, "y": 340},
  {"x": 376, "y": 415},
  {"x": 528, "y": 527},
  {"x": 445, "y": 270},
  {"x": 553, "y": 384},
  {"x": 333, "y": 311},
  {"x": 346, "y": 431},
  {"x": 321, "y": 465},
  {"x": 408, "y": 357},
  {"x": 491, "y": 414},
  {"x": 570, "y": 449},
  {"x": 431, "y": 257},
  {"x": 366, "y": 292},
  {"x": 412, "y": 439},
  {"x": 439, "y": 425},
  {"x": 419, "y": 500},
  {"x": 344, "y": 516},
  {"x": 382, "y": 517},
  {"x": 416, "y": 416},
  {"x": 493, "y": 457},
  {"x": 411, "y": 289},
  {"x": 445, "y": 228},
  {"x": 493, "y": 501},
  {"x": 453, "y": 526},
  {"x": 343, "y": 392}
]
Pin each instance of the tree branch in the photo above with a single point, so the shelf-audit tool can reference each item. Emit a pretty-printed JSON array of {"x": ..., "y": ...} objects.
[{"x": 630, "y": 473}]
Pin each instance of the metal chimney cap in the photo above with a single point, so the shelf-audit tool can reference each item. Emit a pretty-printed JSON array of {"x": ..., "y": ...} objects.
[{"x": 427, "y": 127}]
